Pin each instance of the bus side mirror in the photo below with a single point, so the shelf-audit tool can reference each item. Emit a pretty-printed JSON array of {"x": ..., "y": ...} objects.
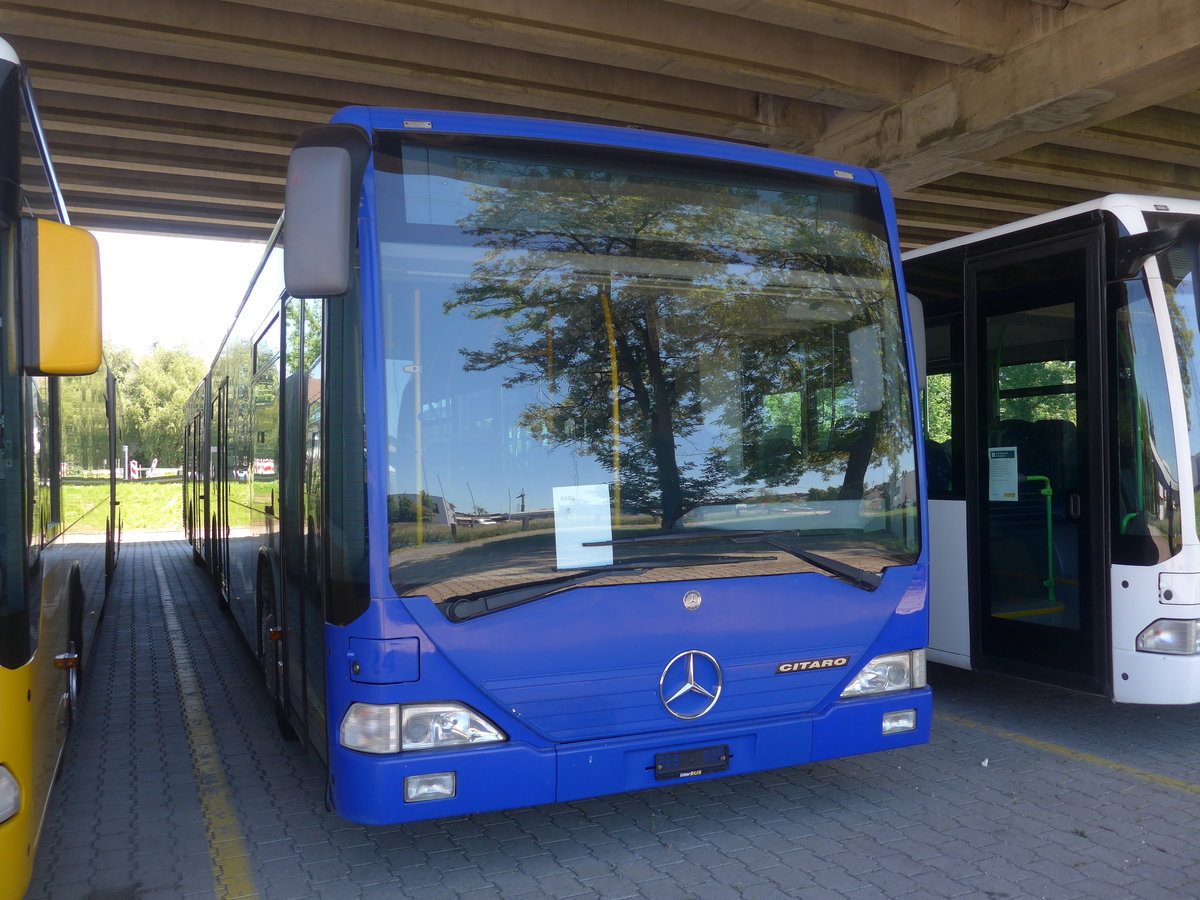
[
  {"x": 324, "y": 181},
  {"x": 1134, "y": 249},
  {"x": 60, "y": 299}
]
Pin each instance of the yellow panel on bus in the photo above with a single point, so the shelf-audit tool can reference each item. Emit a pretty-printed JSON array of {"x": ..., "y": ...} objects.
[
  {"x": 62, "y": 299},
  {"x": 18, "y": 833}
]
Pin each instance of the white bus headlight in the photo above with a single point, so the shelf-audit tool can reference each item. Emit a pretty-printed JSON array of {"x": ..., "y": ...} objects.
[
  {"x": 371, "y": 728},
  {"x": 1180, "y": 637},
  {"x": 10, "y": 795},
  {"x": 390, "y": 728},
  {"x": 890, "y": 672},
  {"x": 432, "y": 726}
]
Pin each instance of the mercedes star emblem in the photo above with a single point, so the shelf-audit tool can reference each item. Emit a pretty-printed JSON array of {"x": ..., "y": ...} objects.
[{"x": 690, "y": 684}]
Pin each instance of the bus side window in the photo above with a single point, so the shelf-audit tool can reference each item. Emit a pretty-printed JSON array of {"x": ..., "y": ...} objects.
[
  {"x": 942, "y": 414},
  {"x": 939, "y": 433}
]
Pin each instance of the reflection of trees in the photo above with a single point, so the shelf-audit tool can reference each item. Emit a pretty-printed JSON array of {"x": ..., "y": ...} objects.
[
  {"x": 630, "y": 313},
  {"x": 302, "y": 322},
  {"x": 84, "y": 428},
  {"x": 1185, "y": 335}
]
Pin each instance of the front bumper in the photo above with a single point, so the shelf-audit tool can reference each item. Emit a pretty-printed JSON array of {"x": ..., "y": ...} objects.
[{"x": 370, "y": 789}]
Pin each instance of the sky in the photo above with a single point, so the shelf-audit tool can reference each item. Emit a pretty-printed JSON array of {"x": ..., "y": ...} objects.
[{"x": 175, "y": 292}]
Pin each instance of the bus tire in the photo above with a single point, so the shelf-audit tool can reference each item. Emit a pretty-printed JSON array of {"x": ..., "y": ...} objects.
[
  {"x": 110, "y": 556},
  {"x": 75, "y": 609},
  {"x": 214, "y": 559},
  {"x": 270, "y": 652}
]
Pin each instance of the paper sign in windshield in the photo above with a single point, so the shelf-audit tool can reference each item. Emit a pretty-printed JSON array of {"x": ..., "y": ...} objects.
[
  {"x": 582, "y": 515},
  {"x": 1002, "y": 473}
]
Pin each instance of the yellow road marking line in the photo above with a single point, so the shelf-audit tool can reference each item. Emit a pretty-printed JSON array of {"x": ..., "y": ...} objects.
[
  {"x": 1174, "y": 784},
  {"x": 226, "y": 843}
]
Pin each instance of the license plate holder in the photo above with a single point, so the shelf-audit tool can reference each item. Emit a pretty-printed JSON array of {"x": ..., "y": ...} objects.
[{"x": 689, "y": 763}]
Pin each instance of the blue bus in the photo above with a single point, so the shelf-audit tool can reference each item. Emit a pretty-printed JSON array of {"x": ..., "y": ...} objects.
[{"x": 555, "y": 460}]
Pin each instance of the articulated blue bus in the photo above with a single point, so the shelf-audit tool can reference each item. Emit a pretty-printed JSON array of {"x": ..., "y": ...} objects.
[{"x": 554, "y": 460}]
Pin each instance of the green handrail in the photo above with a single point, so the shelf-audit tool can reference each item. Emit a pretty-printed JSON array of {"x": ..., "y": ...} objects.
[{"x": 1048, "y": 493}]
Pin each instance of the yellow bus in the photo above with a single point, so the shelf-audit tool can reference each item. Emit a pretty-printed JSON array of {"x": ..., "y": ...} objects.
[{"x": 59, "y": 531}]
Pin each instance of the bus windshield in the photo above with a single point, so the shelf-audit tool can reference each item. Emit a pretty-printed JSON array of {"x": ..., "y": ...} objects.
[
  {"x": 644, "y": 369},
  {"x": 1178, "y": 268}
]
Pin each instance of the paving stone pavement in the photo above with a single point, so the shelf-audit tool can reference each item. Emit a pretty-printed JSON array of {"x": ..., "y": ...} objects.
[{"x": 1024, "y": 791}]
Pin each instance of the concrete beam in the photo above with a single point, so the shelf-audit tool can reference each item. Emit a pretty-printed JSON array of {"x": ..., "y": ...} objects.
[
  {"x": 1104, "y": 173},
  {"x": 1157, "y": 133},
  {"x": 254, "y": 39},
  {"x": 964, "y": 34},
  {"x": 972, "y": 190},
  {"x": 84, "y": 181},
  {"x": 188, "y": 127},
  {"x": 268, "y": 94},
  {"x": 654, "y": 37},
  {"x": 1078, "y": 76},
  {"x": 950, "y": 219}
]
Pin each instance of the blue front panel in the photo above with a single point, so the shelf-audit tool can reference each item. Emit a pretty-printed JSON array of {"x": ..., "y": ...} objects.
[
  {"x": 371, "y": 789},
  {"x": 576, "y": 688},
  {"x": 585, "y": 664},
  {"x": 588, "y": 770}
]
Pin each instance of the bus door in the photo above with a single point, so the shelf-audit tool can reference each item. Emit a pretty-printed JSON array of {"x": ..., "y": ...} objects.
[
  {"x": 189, "y": 455},
  {"x": 312, "y": 603},
  {"x": 219, "y": 485},
  {"x": 291, "y": 543},
  {"x": 1039, "y": 586},
  {"x": 300, "y": 487},
  {"x": 195, "y": 484}
]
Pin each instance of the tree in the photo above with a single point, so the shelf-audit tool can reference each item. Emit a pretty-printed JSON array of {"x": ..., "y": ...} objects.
[
  {"x": 155, "y": 392},
  {"x": 121, "y": 361}
]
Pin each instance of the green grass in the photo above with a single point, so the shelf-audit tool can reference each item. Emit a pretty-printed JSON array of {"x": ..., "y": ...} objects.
[{"x": 150, "y": 505}]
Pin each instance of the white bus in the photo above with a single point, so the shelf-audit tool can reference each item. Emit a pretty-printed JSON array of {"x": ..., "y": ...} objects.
[{"x": 1063, "y": 448}]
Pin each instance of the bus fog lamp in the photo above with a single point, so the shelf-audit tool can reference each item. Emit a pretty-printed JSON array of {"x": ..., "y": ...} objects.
[
  {"x": 439, "y": 786},
  {"x": 887, "y": 673},
  {"x": 371, "y": 728},
  {"x": 10, "y": 795},
  {"x": 899, "y": 721},
  {"x": 1179, "y": 637},
  {"x": 432, "y": 726}
]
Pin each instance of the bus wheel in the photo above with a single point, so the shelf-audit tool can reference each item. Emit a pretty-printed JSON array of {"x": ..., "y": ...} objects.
[
  {"x": 214, "y": 558},
  {"x": 270, "y": 639},
  {"x": 110, "y": 556},
  {"x": 75, "y": 640}
]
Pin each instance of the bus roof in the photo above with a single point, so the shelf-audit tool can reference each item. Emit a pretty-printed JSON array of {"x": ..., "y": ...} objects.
[
  {"x": 566, "y": 131},
  {"x": 1126, "y": 207}
]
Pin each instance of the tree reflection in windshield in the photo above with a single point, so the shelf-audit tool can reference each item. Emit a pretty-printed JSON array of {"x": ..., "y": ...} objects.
[{"x": 708, "y": 352}]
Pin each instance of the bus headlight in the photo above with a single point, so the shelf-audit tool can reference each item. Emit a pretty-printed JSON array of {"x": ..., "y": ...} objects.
[
  {"x": 432, "y": 726},
  {"x": 371, "y": 728},
  {"x": 890, "y": 672},
  {"x": 390, "y": 728},
  {"x": 1180, "y": 637},
  {"x": 10, "y": 795}
]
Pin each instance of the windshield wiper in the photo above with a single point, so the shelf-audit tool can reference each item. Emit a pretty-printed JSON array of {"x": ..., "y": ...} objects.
[
  {"x": 862, "y": 578},
  {"x": 858, "y": 577},
  {"x": 469, "y": 606}
]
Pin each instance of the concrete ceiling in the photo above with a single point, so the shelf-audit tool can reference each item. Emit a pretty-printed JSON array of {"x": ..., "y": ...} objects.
[{"x": 176, "y": 116}]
